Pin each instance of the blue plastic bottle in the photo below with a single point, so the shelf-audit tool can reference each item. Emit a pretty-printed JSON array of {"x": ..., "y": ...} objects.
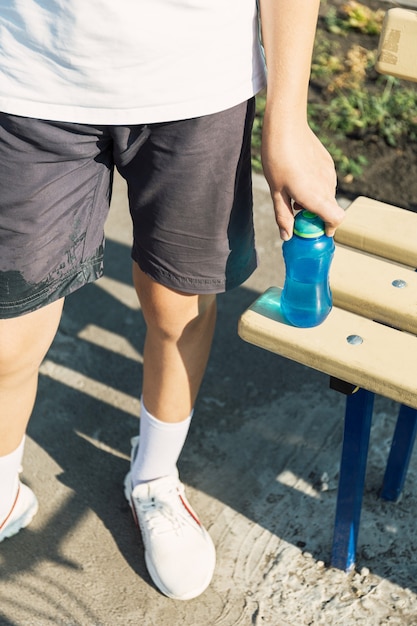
[{"x": 306, "y": 299}]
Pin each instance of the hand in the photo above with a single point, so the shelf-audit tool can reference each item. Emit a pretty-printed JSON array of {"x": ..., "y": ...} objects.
[{"x": 301, "y": 174}]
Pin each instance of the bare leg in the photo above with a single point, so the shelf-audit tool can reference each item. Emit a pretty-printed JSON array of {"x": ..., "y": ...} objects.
[
  {"x": 178, "y": 340},
  {"x": 180, "y": 329},
  {"x": 24, "y": 341}
]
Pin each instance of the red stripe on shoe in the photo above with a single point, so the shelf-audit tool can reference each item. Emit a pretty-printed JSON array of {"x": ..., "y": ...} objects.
[
  {"x": 135, "y": 517},
  {"x": 11, "y": 510},
  {"x": 187, "y": 508}
]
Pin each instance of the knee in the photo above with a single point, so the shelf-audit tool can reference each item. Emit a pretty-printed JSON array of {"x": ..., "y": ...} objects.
[
  {"x": 168, "y": 313},
  {"x": 186, "y": 315},
  {"x": 25, "y": 340}
]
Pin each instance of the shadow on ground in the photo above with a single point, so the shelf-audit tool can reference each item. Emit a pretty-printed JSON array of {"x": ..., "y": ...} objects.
[{"x": 265, "y": 440}]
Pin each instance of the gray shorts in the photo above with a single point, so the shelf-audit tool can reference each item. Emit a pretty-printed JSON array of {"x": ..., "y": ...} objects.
[{"x": 190, "y": 198}]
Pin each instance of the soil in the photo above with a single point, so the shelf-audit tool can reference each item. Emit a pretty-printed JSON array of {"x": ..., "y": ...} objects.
[{"x": 391, "y": 173}]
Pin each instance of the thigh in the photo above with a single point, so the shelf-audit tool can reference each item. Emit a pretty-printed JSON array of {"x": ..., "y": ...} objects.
[
  {"x": 191, "y": 201},
  {"x": 54, "y": 198}
]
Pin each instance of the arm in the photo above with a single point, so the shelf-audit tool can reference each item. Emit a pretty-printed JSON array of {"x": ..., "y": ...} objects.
[{"x": 296, "y": 165}]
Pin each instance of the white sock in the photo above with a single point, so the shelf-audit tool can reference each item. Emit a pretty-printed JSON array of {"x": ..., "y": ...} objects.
[
  {"x": 160, "y": 446},
  {"x": 9, "y": 478}
]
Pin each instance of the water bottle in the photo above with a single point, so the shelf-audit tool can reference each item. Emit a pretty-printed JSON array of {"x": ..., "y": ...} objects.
[{"x": 306, "y": 299}]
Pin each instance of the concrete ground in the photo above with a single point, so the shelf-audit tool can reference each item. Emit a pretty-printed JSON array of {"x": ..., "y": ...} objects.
[{"x": 260, "y": 466}]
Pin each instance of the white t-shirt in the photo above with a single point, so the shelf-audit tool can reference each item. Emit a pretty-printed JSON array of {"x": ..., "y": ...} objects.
[{"x": 127, "y": 61}]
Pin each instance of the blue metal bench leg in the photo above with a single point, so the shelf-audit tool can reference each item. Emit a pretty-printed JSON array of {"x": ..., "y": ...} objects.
[
  {"x": 358, "y": 419},
  {"x": 400, "y": 453}
]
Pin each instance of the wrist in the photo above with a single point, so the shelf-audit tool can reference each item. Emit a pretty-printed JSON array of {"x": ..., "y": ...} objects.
[{"x": 279, "y": 122}]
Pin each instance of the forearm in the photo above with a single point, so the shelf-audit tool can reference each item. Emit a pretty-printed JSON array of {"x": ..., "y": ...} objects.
[
  {"x": 288, "y": 32},
  {"x": 298, "y": 168}
]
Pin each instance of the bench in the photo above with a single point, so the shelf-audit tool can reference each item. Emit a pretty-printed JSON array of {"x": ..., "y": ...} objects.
[{"x": 367, "y": 345}]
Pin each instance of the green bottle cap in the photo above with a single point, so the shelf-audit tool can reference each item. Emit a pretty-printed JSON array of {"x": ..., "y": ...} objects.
[{"x": 308, "y": 225}]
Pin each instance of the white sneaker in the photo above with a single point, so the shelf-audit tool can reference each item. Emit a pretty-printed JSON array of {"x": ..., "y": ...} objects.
[
  {"x": 179, "y": 553},
  {"x": 21, "y": 514}
]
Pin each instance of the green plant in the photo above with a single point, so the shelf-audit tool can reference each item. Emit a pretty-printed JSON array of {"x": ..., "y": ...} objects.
[
  {"x": 326, "y": 61},
  {"x": 353, "y": 71},
  {"x": 354, "y": 16},
  {"x": 391, "y": 114}
]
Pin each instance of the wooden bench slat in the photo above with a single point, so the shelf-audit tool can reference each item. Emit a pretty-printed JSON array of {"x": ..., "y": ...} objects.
[
  {"x": 385, "y": 363},
  {"x": 363, "y": 284},
  {"x": 382, "y": 229}
]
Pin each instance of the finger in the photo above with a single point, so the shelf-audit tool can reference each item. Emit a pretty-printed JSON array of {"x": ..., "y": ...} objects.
[
  {"x": 333, "y": 216},
  {"x": 284, "y": 215}
]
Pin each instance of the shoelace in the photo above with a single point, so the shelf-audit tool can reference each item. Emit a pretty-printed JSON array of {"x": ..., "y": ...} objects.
[{"x": 161, "y": 517}]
